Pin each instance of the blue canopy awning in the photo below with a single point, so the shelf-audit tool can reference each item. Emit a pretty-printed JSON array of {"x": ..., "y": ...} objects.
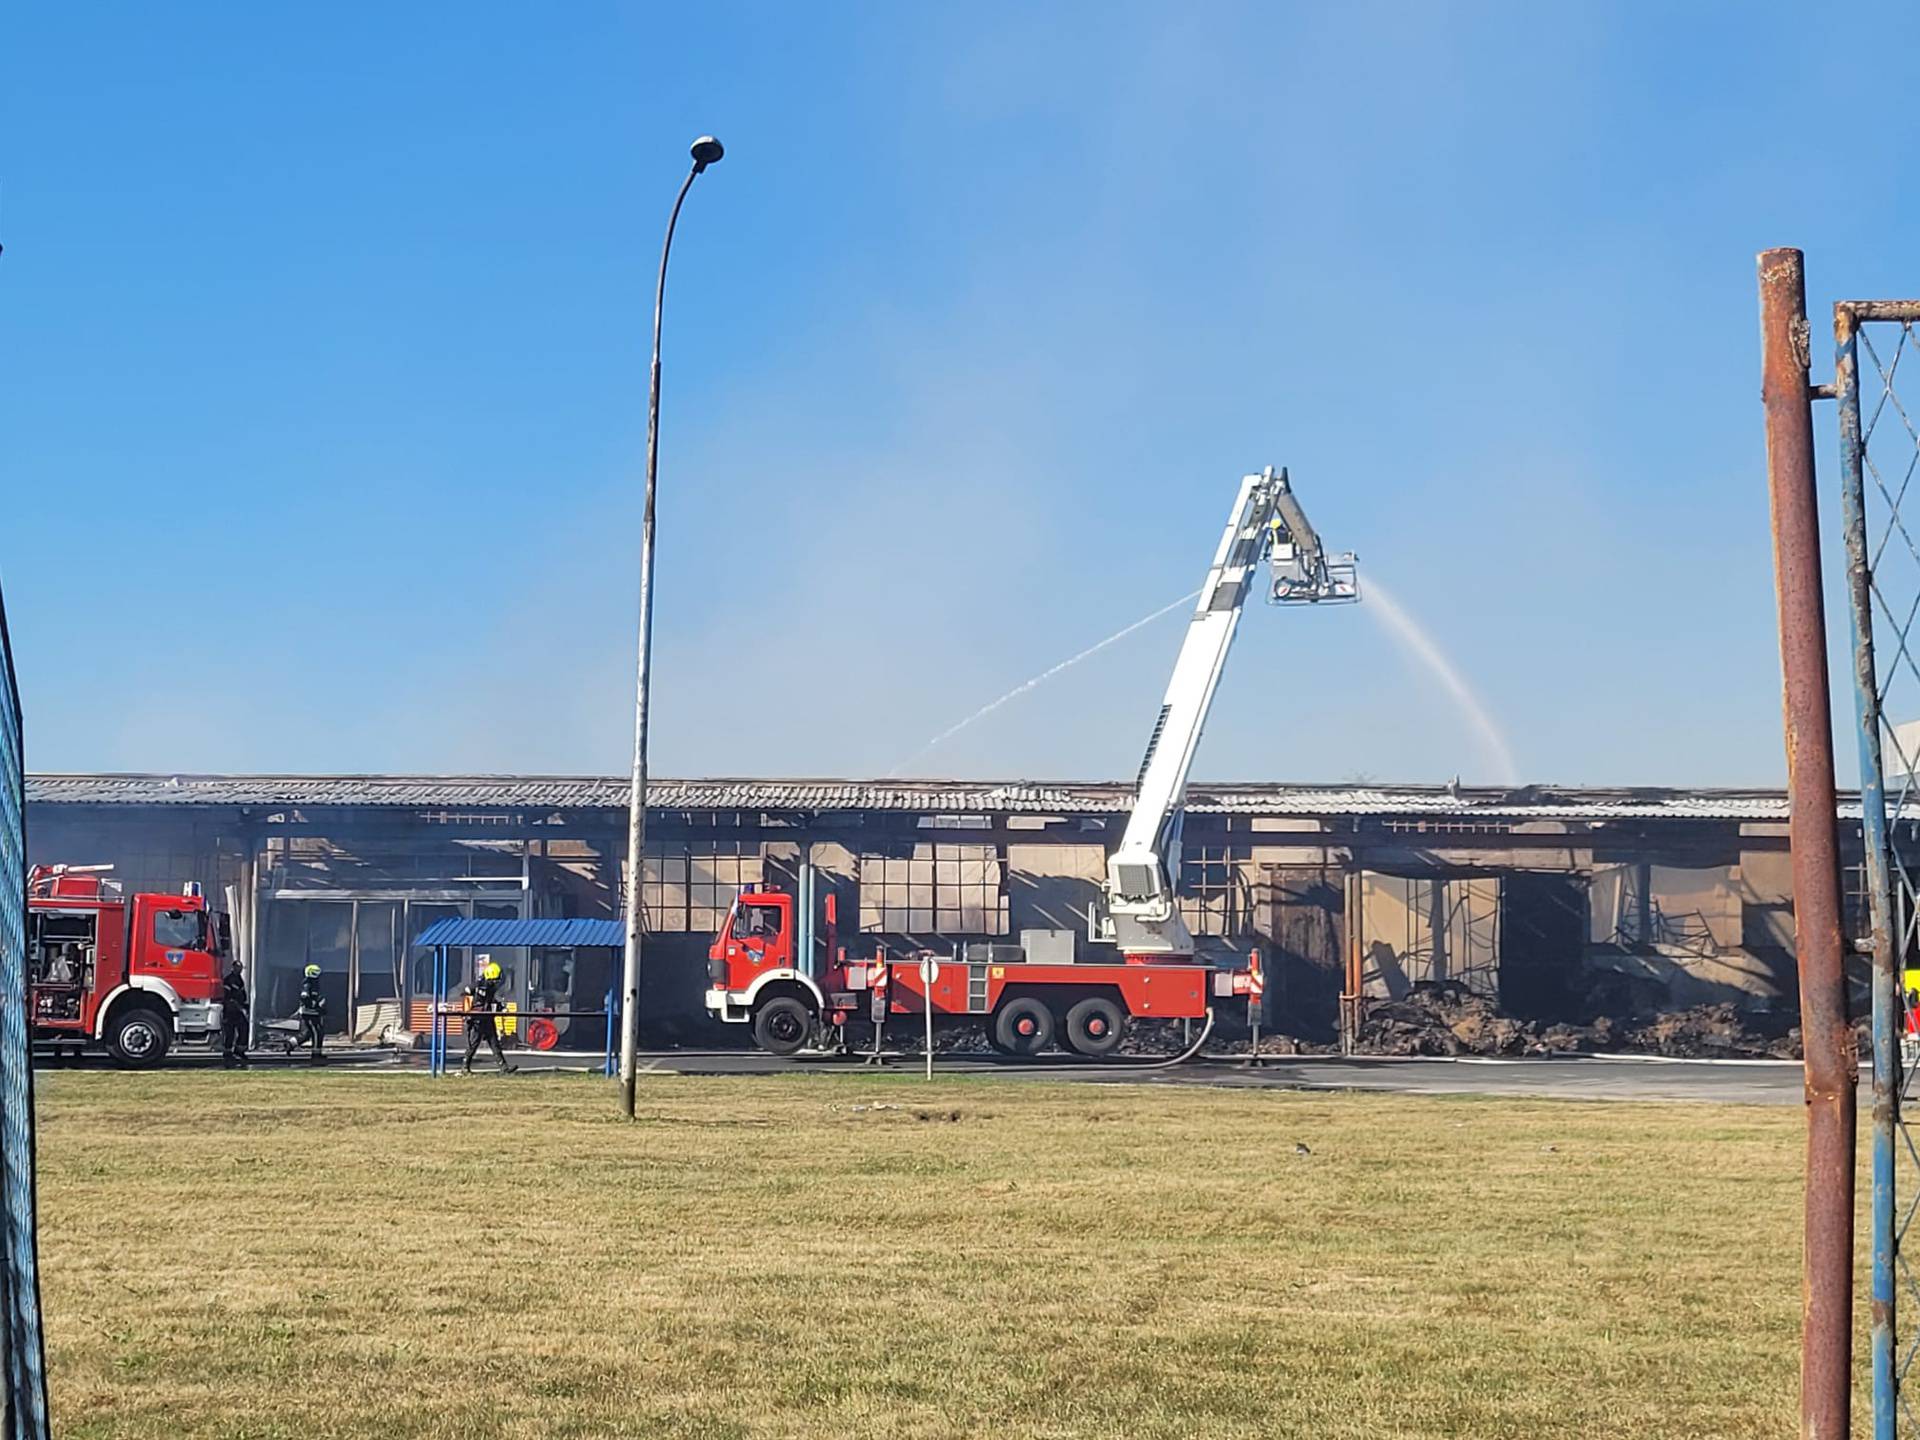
[{"x": 551, "y": 933}]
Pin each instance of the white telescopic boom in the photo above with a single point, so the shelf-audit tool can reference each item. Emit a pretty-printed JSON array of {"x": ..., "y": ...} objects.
[
  {"x": 1141, "y": 872},
  {"x": 1266, "y": 523}
]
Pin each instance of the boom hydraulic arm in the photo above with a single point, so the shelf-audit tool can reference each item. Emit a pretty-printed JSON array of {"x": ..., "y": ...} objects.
[{"x": 1266, "y": 524}]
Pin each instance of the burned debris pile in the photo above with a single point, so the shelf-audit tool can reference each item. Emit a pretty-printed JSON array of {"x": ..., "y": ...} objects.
[{"x": 1445, "y": 1018}]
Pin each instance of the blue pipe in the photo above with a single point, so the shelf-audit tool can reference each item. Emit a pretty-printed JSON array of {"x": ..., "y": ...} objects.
[
  {"x": 438, "y": 1049},
  {"x": 1880, "y": 882}
]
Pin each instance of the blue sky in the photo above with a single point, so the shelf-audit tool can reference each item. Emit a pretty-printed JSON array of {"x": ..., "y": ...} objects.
[{"x": 323, "y": 364}]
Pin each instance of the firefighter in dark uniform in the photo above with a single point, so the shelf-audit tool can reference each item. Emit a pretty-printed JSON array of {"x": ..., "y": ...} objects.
[
  {"x": 234, "y": 1018},
  {"x": 313, "y": 1009},
  {"x": 483, "y": 1003}
]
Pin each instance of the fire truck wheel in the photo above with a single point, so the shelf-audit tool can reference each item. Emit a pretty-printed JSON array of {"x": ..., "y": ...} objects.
[
  {"x": 781, "y": 1026},
  {"x": 1023, "y": 1026},
  {"x": 139, "y": 1038},
  {"x": 1094, "y": 1026}
]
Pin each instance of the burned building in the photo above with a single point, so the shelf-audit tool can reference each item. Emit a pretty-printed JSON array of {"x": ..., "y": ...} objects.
[{"x": 1527, "y": 896}]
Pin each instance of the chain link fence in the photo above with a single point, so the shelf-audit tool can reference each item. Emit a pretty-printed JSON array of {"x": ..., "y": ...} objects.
[
  {"x": 1877, "y": 359},
  {"x": 25, "y": 1351}
]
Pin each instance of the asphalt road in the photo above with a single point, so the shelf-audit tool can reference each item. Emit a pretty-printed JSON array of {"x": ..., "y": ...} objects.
[
  {"x": 1755, "y": 1082},
  {"x": 1586, "y": 1077}
]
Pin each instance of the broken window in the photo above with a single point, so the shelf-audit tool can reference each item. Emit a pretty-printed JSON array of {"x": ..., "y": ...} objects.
[
  {"x": 937, "y": 889},
  {"x": 1417, "y": 929},
  {"x": 688, "y": 888},
  {"x": 1212, "y": 899}
]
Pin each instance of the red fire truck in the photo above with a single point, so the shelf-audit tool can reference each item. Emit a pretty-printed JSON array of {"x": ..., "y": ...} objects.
[
  {"x": 133, "y": 973},
  {"x": 1039, "y": 990}
]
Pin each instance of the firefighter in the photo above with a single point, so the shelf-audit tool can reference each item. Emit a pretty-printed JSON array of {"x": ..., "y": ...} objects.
[
  {"x": 483, "y": 1003},
  {"x": 234, "y": 1018},
  {"x": 313, "y": 1007}
]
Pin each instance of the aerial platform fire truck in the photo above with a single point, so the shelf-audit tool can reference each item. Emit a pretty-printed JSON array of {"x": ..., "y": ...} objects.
[
  {"x": 1140, "y": 963},
  {"x": 132, "y": 973}
]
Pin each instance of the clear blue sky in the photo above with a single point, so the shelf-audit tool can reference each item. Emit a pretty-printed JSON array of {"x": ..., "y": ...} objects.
[{"x": 323, "y": 344}]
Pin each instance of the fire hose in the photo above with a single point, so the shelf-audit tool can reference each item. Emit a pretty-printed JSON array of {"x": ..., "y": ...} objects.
[{"x": 1185, "y": 1055}]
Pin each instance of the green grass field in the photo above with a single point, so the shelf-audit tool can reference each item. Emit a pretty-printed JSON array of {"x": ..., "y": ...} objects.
[{"x": 300, "y": 1255}]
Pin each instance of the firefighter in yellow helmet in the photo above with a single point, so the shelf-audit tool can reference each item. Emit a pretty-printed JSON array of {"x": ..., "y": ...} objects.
[
  {"x": 313, "y": 1009},
  {"x": 483, "y": 1003}
]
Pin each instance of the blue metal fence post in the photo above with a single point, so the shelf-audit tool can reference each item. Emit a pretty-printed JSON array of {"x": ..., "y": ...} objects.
[
  {"x": 1874, "y": 835},
  {"x": 439, "y": 1009},
  {"x": 446, "y": 993},
  {"x": 612, "y": 1016},
  {"x": 803, "y": 927}
]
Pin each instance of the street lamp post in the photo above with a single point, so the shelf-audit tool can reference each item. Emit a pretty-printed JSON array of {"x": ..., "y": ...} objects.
[{"x": 706, "y": 150}]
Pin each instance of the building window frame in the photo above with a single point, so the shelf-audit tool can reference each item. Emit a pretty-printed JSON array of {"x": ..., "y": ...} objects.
[
  {"x": 1213, "y": 894},
  {"x": 938, "y": 888},
  {"x": 688, "y": 886}
]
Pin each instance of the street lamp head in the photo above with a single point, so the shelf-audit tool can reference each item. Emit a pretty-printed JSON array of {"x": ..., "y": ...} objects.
[{"x": 706, "y": 150}]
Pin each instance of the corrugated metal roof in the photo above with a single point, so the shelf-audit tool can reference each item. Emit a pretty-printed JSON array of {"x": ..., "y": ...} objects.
[
  {"x": 567, "y": 792},
  {"x": 929, "y": 797},
  {"x": 559, "y": 792},
  {"x": 1532, "y": 804},
  {"x": 412, "y": 791},
  {"x": 456, "y": 931}
]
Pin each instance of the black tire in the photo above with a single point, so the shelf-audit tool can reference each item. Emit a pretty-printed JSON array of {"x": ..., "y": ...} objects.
[
  {"x": 783, "y": 1025},
  {"x": 139, "y": 1038},
  {"x": 1023, "y": 1026},
  {"x": 1094, "y": 1027}
]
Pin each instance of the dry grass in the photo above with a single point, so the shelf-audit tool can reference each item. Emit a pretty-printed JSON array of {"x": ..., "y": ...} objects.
[{"x": 286, "y": 1254}]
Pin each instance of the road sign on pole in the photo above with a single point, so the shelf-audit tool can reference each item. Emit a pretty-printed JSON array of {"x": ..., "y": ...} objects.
[{"x": 929, "y": 972}]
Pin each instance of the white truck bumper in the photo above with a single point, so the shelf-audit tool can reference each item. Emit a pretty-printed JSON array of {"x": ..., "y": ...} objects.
[
  {"x": 197, "y": 1019},
  {"x": 721, "y": 1003}
]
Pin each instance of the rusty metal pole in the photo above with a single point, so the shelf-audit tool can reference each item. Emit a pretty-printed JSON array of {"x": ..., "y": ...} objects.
[{"x": 1831, "y": 1063}]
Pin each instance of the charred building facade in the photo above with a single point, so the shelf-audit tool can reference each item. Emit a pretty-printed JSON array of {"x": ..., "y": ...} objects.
[{"x": 1531, "y": 897}]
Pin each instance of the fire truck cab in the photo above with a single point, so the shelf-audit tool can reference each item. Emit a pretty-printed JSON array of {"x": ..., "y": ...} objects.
[
  {"x": 752, "y": 977},
  {"x": 135, "y": 974}
]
